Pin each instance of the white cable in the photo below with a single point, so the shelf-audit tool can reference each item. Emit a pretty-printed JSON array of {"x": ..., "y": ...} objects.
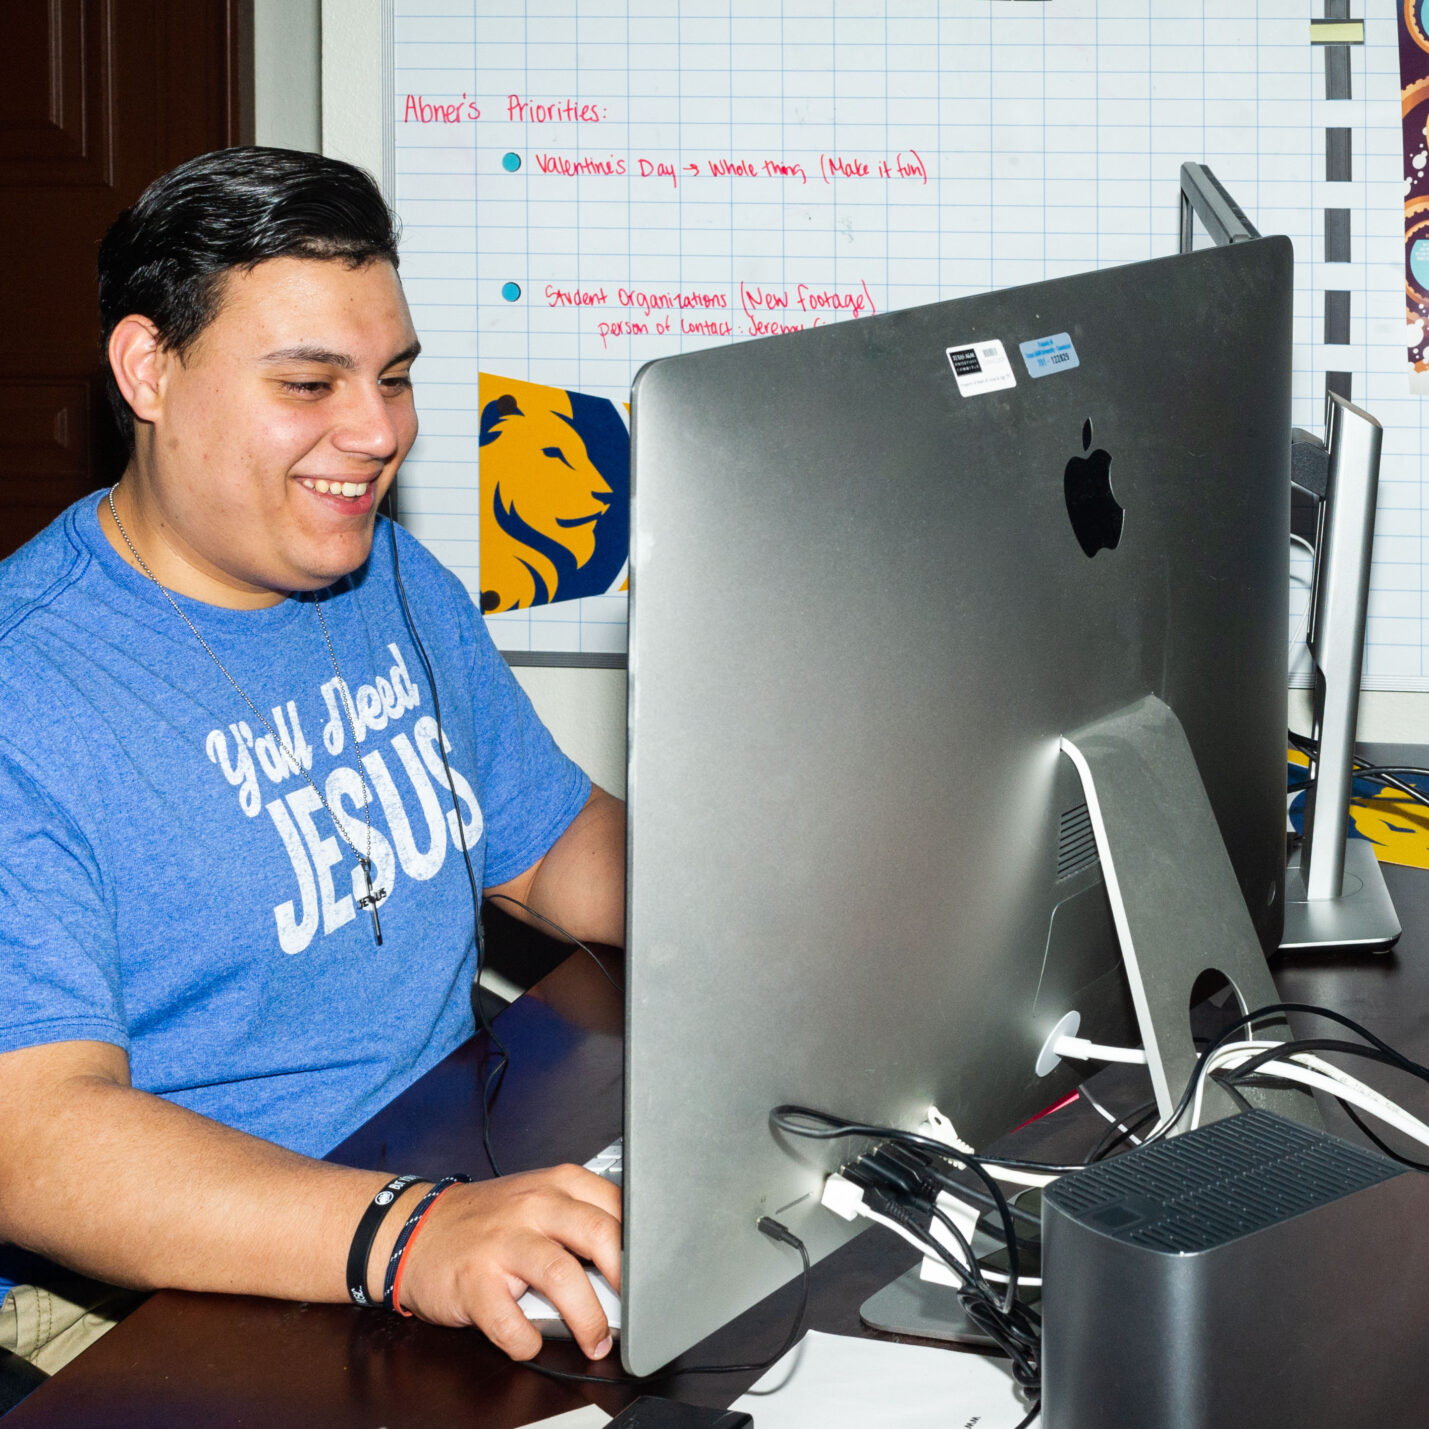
[
  {"x": 1394, "y": 1117},
  {"x": 937, "y": 1127},
  {"x": 1014, "y": 1177},
  {"x": 1315, "y": 1072},
  {"x": 846, "y": 1199},
  {"x": 1247, "y": 1048},
  {"x": 1340, "y": 1075},
  {"x": 1078, "y": 1049},
  {"x": 996, "y": 1277},
  {"x": 1107, "y": 1115}
]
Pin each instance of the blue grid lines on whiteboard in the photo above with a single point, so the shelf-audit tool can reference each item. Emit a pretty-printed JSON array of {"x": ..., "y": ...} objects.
[{"x": 759, "y": 166}]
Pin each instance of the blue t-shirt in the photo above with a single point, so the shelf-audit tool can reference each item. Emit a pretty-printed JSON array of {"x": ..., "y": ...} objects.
[{"x": 171, "y": 884}]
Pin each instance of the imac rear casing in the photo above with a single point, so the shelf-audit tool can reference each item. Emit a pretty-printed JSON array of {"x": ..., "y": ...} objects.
[{"x": 875, "y": 580}]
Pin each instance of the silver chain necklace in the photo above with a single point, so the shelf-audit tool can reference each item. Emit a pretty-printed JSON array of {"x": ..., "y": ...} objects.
[{"x": 374, "y": 895}]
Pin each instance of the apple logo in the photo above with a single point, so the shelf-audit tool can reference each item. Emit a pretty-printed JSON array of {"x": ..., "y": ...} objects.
[{"x": 1096, "y": 514}]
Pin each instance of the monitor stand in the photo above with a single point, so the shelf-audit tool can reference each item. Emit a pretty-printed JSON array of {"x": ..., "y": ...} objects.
[
  {"x": 1178, "y": 911},
  {"x": 1335, "y": 893},
  {"x": 929, "y": 1309},
  {"x": 1175, "y": 901}
]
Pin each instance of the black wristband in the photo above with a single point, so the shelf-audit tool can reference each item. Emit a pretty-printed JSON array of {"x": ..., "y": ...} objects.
[
  {"x": 366, "y": 1233},
  {"x": 405, "y": 1234}
]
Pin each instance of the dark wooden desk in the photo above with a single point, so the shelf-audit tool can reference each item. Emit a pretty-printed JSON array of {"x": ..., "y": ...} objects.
[{"x": 214, "y": 1361}]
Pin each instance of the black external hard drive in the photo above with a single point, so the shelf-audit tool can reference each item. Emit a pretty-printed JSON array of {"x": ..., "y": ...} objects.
[{"x": 1253, "y": 1272}]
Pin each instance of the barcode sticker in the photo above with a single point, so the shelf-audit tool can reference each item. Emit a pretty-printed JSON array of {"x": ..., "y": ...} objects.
[{"x": 981, "y": 367}]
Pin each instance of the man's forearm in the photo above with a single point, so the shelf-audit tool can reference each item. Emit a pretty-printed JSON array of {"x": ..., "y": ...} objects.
[{"x": 132, "y": 1189}]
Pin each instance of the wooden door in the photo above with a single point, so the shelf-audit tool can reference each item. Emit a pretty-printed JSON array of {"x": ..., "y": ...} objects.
[{"x": 97, "y": 97}]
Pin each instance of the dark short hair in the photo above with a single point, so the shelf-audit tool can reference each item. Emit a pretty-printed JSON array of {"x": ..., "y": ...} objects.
[{"x": 166, "y": 257}]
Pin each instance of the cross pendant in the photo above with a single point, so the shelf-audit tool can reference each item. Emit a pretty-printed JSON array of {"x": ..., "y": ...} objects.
[{"x": 374, "y": 897}]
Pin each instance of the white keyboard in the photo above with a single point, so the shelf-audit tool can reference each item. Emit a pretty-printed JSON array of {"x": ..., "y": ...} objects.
[{"x": 609, "y": 1164}]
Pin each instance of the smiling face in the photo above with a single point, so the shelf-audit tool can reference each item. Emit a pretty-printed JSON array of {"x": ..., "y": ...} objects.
[{"x": 261, "y": 456}]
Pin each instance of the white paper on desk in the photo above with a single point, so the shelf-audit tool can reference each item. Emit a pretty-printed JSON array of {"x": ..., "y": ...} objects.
[
  {"x": 840, "y": 1380},
  {"x": 592, "y": 1416}
]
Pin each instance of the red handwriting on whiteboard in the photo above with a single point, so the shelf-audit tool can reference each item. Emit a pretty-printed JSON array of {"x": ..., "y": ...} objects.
[
  {"x": 657, "y": 168},
  {"x": 575, "y": 297},
  {"x": 579, "y": 168},
  {"x": 807, "y": 298},
  {"x": 651, "y": 303},
  {"x": 555, "y": 111},
  {"x": 709, "y": 312},
  {"x": 417, "y": 109},
  {"x": 902, "y": 165},
  {"x": 655, "y": 301},
  {"x": 911, "y": 166},
  {"x": 748, "y": 169}
]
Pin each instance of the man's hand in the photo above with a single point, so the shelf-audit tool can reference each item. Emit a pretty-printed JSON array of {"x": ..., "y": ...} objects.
[{"x": 484, "y": 1245}]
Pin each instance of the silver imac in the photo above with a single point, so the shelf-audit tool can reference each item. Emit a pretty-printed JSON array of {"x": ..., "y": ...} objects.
[{"x": 893, "y": 581}]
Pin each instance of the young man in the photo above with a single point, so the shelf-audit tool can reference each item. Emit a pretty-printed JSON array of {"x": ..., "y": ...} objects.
[{"x": 235, "y": 912}]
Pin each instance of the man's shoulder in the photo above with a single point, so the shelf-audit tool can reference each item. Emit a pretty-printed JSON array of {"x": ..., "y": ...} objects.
[{"x": 41, "y": 572}]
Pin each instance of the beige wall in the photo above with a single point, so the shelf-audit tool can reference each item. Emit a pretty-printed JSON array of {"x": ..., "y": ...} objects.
[{"x": 287, "y": 79}]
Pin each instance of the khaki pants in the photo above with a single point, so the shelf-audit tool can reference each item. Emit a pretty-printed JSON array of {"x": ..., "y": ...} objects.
[{"x": 48, "y": 1325}]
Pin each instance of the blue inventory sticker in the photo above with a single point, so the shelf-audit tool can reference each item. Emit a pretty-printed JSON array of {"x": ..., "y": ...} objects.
[{"x": 1049, "y": 354}]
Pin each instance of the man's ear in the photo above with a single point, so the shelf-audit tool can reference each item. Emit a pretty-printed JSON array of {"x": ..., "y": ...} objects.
[{"x": 139, "y": 362}]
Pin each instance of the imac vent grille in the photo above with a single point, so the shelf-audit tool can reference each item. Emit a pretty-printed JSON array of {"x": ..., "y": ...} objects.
[
  {"x": 1076, "y": 844},
  {"x": 1211, "y": 1186}
]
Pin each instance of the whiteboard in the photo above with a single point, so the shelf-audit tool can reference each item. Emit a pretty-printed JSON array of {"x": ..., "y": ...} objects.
[{"x": 585, "y": 185}]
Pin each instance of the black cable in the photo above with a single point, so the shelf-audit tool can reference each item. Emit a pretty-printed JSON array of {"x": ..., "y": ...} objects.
[
  {"x": 1031, "y": 1415},
  {"x": 1349, "y": 1110},
  {"x": 911, "y": 1201},
  {"x": 1411, "y": 769},
  {"x": 921, "y": 1182},
  {"x": 1378, "y": 1053},
  {"x": 1363, "y": 769},
  {"x": 560, "y": 931},
  {"x": 1014, "y": 1329},
  {"x": 1021, "y": 1346},
  {"x": 1384, "y": 1146},
  {"x": 964, "y": 1245},
  {"x": 1121, "y": 1129},
  {"x": 1223, "y": 1080},
  {"x": 948, "y": 1181},
  {"x": 890, "y": 1205},
  {"x": 826, "y": 1127},
  {"x": 1385, "y": 775},
  {"x": 766, "y": 1226},
  {"x": 1260, "y": 1014},
  {"x": 497, "y": 1075}
]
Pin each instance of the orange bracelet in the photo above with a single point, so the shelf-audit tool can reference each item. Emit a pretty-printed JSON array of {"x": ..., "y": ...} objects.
[{"x": 406, "y": 1249}]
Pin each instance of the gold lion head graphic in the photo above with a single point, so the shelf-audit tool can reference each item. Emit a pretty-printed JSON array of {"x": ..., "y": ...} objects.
[{"x": 555, "y": 482}]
